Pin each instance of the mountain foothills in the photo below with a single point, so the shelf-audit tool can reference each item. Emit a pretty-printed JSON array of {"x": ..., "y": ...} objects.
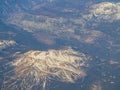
[{"x": 50, "y": 19}]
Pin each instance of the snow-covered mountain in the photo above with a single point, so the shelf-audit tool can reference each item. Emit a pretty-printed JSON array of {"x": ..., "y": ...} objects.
[
  {"x": 39, "y": 67},
  {"x": 107, "y": 11},
  {"x": 6, "y": 43}
]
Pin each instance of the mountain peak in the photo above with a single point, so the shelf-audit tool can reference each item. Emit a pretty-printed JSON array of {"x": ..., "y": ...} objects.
[{"x": 34, "y": 67}]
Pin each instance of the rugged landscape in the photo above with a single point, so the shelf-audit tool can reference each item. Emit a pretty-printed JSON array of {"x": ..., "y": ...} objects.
[
  {"x": 34, "y": 67},
  {"x": 59, "y": 44}
]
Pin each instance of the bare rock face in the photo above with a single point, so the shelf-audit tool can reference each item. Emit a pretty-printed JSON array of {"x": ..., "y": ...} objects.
[
  {"x": 36, "y": 68},
  {"x": 6, "y": 43}
]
